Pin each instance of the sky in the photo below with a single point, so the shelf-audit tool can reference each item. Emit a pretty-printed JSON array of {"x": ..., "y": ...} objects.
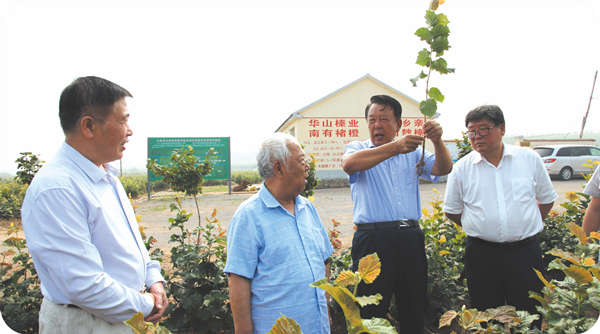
[{"x": 239, "y": 68}]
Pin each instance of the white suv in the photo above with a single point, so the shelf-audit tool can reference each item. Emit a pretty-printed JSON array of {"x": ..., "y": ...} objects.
[{"x": 567, "y": 161}]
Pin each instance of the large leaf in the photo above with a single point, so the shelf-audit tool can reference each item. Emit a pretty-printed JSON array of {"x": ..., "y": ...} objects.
[
  {"x": 346, "y": 278},
  {"x": 446, "y": 318},
  {"x": 424, "y": 34},
  {"x": 503, "y": 314},
  {"x": 565, "y": 255},
  {"x": 428, "y": 107},
  {"x": 379, "y": 326},
  {"x": 285, "y": 325},
  {"x": 541, "y": 277},
  {"x": 580, "y": 275},
  {"x": 368, "y": 300},
  {"x": 436, "y": 94},
  {"x": 577, "y": 231},
  {"x": 347, "y": 302},
  {"x": 424, "y": 57},
  {"x": 431, "y": 18},
  {"x": 369, "y": 268},
  {"x": 139, "y": 326}
]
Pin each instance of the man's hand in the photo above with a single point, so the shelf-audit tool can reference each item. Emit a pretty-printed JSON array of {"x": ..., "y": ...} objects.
[
  {"x": 433, "y": 130},
  {"x": 160, "y": 302},
  {"x": 408, "y": 143}
]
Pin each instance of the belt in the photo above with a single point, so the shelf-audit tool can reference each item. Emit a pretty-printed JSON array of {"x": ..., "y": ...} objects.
[
  {"x": 398, "y": 224},
  {"x": 512, "y": 244}
]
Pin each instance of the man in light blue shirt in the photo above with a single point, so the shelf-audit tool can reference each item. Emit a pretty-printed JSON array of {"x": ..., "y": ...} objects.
[
  {"x": 277, "y": 246},
  {"x": 79, "y": 224},
  {"x": 385, "y": 191}
]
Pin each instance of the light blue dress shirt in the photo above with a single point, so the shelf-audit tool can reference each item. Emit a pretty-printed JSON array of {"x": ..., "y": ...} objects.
[
  {"x": 390, "y": 190},
  {"x": 84, "y": 239},
  {"x": 281, "y": 254}
]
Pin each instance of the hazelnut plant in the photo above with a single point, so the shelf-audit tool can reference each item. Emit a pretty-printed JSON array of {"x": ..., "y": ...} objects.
[{"x": 435, "y": 34}]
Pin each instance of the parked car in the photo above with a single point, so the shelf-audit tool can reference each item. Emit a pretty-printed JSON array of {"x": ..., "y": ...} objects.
[{"x": 566, "y": 161}]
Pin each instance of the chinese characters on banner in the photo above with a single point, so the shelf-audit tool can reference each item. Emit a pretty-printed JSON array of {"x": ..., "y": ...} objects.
[{"x": 326, "y": 137}]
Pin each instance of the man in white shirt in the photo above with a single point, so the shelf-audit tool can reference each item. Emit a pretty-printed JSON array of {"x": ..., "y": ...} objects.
[
  {"x": 80, "y": 228},
  {"x": 591, "y": 220},
  {"x": 500, "y": 194}
]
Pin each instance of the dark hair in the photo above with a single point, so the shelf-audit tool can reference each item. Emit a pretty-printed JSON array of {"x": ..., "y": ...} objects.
[
  {"x": 88, "y": 96},
  {"x": 491, "y": 112},
  {"x": 388, "y": 101}
]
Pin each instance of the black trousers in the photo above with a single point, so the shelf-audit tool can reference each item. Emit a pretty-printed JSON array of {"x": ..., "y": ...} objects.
[
  {"x": 503, "y": 275},
  {"x": 403, "y": 274}
]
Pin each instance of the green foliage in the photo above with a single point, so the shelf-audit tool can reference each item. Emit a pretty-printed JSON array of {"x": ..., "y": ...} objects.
[
  {"x": 198, "y": 284},
  {"x": 445, "y": 247},
  {"x": 28, "y": 164},
  {"x": 311, "y": 180},
  {"x": 134, "y": 185},
  {"x": 11, "y": 199},
  {"x": 464, "y": 146},
  {"x": 20, "y": 296},
  {"x": 435, "y": 35},
  {"x": 185, "y": 172},
  {"x": 251, "y": 176},
  {"x": 503, "y": 319},
  {"x": 572, "y": 305}
]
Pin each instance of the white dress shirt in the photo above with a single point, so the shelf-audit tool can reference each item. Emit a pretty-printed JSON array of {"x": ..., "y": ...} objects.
[
  {"x": 499, "y": 204},
  {"x": 84, "y": 239}
]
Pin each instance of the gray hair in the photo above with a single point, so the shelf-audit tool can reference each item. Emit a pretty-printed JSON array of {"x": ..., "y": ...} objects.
[{"x": 273, "y": 149}]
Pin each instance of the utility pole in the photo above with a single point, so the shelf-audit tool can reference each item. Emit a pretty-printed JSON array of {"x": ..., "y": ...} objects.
[{"x": 588, "y": 108}]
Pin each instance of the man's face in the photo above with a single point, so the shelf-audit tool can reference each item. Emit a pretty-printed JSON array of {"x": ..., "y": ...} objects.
[
  {"x": 383, "y": 125},
  {"x": 490, "y": 141},
  {"x": 296, "y": 168},
  {"x": 112, "y": 135}
]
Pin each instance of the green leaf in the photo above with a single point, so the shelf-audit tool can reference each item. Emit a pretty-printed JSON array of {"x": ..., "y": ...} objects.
[
  {"x": 440, "y": 44},
  {"x": 414, "y": 80},
  {"x": 442, "y": 20},
  {"x": 379, "y": 326},
  {"x": 435, "y": 94},
  {"x": 369, "y": 300},
  {"x": 428, "y": 107},
  {"x": 424, "y": 34},
  {"x": 285, "y": 325},
  {"x": 431, "y": 18},
  {"x": 439, "y": 31},
  {"x": 424, "y": 57}
]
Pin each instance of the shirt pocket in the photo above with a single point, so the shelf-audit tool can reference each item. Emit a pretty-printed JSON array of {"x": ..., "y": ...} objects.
[{"x": 523, "y": 189}]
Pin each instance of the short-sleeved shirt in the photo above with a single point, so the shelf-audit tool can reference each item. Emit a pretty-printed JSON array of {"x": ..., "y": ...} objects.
[
  {"x": 499, "y": 204},
  {"x": 281, "y": 254},
  {"x": 390, "y": 190},
  {"x": 592, "y": 188}
]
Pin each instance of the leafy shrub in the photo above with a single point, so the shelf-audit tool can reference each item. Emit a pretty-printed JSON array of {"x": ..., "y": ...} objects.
[
  {"x": 28, "y": 164},
  {"x": 20, "y": 295},
  {"x": 444, "y": 247},
  {"x": 198, "y": 284},
  {"x": 311, "y": 180},
  {"x": 135, "y": 185},
  {"x": 11, "y": 199}
]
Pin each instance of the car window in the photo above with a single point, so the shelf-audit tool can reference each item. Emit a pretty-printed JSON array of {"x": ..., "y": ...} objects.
[
  {"x": 564, "y": 152},
  {"x": 595, "y": 151},
  {"x": 546, "y": 151},
  {"x": 579, "y": 151}
]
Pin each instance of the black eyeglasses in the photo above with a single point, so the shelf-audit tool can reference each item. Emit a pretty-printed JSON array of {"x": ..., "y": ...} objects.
[{"x": 481, "y": 131}]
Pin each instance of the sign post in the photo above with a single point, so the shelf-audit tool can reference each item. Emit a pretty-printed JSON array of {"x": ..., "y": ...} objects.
[{"x": 161, "y": 148}]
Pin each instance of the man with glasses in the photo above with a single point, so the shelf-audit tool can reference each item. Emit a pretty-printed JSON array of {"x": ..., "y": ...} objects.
[{"x": 500, "y": 194}]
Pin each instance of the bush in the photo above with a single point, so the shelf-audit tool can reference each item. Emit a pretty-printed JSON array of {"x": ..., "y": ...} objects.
[
  {"x": 135, "y": 185},
  {"x": 11, "y": 199}
]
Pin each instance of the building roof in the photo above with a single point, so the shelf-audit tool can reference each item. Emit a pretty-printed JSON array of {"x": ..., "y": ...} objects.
[{"x": 297, "y": 114}]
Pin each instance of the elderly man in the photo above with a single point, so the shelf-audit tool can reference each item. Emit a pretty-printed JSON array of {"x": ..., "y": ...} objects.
[
  {"x": 385, "y": 191},
  {"x": 277, "y": 246},
  {"x": 500, "y": 194},
  {"x": 80, "y": 227}
]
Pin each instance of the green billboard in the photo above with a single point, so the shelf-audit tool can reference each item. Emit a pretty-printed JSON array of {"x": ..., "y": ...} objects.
[{"x": 160, "y": 149}]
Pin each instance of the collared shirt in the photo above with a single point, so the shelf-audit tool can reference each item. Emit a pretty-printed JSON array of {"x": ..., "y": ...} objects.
[
  {"x": 592, "y": 188},
  {"x": 84, "y": 239},
  {"x": 281, "y": 254},
  {"x": 499, "y": 204},
  {"x": 390, "y": 190}
]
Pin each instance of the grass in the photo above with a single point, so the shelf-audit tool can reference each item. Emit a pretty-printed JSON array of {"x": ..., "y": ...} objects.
[{"x": 215, "y": 189}]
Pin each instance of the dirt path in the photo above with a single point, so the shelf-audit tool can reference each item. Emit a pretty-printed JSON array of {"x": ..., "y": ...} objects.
[{"x": 330, "y": 203}]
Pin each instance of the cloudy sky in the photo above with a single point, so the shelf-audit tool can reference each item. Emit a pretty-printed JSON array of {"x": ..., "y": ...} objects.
[{"x": 239, "y": 68}]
